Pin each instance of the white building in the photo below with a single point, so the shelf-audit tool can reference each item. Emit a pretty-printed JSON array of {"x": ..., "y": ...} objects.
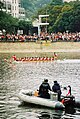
[
  {"x": 6, "y": 6},
  {"x": 14, "y": 8},
  {"x": 21, "y": 13},
  {"x": 68, "y": 0}
]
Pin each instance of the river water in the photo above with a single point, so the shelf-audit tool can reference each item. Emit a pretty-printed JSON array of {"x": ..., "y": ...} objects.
[{"x": 17, "y": 76}]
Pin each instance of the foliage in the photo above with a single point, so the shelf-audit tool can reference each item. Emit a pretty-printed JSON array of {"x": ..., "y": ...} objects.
[
  {"x": 62, "y": 16},
  {"x": 68, "y": 19},
  {"x": 25, "y": 26},
  {"x": 31, "y": 6},
  {"x": 7, "y": 22},
  {"x": 11, "y": 25},
  {"x": 57, "y": 2}
]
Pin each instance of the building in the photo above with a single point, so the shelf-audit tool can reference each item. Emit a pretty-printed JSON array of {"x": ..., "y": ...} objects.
[
  {"x": 14, "y": 8},
  {"x": 68, "y": 0},
  {"x": 6, "y": 6},
  {"x": 21, "y": 12},
  {"x": 38, "y": 23}
]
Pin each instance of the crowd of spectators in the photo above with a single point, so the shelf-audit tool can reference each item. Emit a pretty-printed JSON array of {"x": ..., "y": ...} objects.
[{"x": 53, "y": 37}]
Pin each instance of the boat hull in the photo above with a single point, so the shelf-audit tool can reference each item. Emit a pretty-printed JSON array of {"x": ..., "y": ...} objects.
[{"x": 39, "y": 101}]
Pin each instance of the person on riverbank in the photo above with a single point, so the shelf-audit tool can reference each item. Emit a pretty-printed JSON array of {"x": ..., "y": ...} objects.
[
  {"x": 56, "y": 88},
  {"x": 44, "y": 89}
]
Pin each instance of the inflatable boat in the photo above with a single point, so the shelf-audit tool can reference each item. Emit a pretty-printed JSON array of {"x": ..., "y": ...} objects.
[{"x": 30, "y": 96}]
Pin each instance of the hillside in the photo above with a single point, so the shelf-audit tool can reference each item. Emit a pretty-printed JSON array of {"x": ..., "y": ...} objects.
[{"x": 31, "y": 6}]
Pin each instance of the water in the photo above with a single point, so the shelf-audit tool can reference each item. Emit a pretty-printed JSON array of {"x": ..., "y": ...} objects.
[{"x": 17, "y": 76}]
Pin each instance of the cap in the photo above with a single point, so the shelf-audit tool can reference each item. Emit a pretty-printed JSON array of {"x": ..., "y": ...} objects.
[
  {"x": 45, "y": 80},
  {"x": 55, "y": 81}
]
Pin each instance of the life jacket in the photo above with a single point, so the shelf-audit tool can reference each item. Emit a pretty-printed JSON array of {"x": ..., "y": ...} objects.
[
  {"x": 14, "y": 57},
  {"x": 44, "y": 88},
  {"x": 56, "y": 88},
  {"x": 36, "y": 93}
]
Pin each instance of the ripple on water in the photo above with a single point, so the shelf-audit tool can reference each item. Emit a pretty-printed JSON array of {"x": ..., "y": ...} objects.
[{"x": 14, "y": 77}]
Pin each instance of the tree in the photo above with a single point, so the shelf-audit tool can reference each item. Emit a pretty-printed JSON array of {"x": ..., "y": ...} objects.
[
  {"x": 68, "y": 19},
  {"x": 54, "y": 13},
  {"x": 31, "y": 6},
  {"x": 57, "y": 2},
  {"x": 25, "y": 26},
  {"x": 7, "y": 22}
]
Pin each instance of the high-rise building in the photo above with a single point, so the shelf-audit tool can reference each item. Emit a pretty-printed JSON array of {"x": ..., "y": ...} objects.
[
  {"x": 68, "y": 0},
  {"x": 14, "y": 8},
  {"x": 6, "y": 6}
]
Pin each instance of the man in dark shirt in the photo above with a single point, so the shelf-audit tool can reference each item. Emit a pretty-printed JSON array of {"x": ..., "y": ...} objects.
[
  {"x": 44, "y": 89},
  {"x": 56, "y": 88}
]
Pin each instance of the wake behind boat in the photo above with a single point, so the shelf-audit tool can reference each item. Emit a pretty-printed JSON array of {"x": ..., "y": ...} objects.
[{"x": 29, "y": 96}]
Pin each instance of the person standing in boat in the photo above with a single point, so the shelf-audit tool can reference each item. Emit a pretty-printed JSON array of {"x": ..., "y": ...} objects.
[
  {"x": 44, "y": 89},
  {"x": 55, "y": 56},
  {"x": 14, "y": 57},
  {"x": 56, "y": 88},
  {"x": 69, "y": 90}
]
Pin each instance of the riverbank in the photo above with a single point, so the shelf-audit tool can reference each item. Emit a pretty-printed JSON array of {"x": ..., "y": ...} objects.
[
  {"x": 63, "y": 49},
  {"x": 40, "y": 47}
]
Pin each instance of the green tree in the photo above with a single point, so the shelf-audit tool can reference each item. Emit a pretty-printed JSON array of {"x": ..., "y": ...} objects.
[
  {"x": 25, "y": 26},
  {"x": 54, "y": 13},
  {"x": 7, "y": 22},
  {"x": 68, "y": 19},
  {"x": 32, "y": 6},
  {"x": 57, "y": 2}
]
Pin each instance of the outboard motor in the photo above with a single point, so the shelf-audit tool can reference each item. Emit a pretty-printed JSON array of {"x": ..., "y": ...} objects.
[{"x": 68, "y": 101}]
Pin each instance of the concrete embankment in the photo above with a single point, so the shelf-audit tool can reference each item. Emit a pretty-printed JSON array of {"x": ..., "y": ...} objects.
[
  {"x": 63, "y": 49},
  {"x": 37, "y": 47}
]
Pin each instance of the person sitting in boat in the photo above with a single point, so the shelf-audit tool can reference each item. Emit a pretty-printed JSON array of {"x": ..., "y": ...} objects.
[
  {"x": 44, "y": 89},
  {"x": 56, "y": 88}
]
